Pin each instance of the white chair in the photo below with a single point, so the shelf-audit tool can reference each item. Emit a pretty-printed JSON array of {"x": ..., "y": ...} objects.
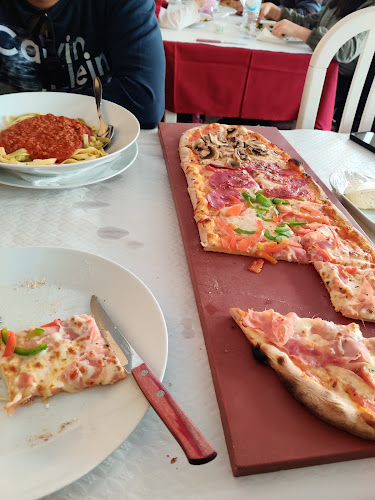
[{"x": 357, "y": 22}]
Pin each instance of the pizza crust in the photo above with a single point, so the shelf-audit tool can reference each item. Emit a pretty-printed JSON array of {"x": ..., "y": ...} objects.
[{"x": 332, "y": 405}]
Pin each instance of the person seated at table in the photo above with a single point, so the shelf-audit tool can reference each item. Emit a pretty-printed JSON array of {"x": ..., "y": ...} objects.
[
  {"x": 313, "y": 27},
  {"x": 300, "y": 6},
  {"x": 177, "y": 17},
  {"x": 63, "y": 45}
]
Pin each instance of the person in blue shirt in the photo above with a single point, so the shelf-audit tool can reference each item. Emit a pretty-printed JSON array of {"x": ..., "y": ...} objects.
[
  {"x": 63, "y": 45},
  {"x": 301, "y": 6}
]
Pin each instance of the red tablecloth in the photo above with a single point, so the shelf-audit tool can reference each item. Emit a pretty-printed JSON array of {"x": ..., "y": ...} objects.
[{"x": 241, "y": 83}]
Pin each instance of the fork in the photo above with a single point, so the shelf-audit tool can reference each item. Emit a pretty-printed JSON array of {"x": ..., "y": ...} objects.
[{"x": 105, "y": 130}]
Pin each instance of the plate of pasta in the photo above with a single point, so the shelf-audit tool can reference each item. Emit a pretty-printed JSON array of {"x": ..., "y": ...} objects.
[{"x": 54, "y": 133}]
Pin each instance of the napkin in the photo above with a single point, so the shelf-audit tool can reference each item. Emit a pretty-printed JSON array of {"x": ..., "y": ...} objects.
[{"x": 266, "y": 36}]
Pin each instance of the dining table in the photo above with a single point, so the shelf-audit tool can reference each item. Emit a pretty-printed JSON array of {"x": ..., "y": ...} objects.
[
  {"x": 214, "y": 69},
  {"x": 131, "y": 219}
]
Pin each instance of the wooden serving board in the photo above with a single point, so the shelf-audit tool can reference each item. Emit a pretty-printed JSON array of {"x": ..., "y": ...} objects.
[{"x": 265, "y": 428}]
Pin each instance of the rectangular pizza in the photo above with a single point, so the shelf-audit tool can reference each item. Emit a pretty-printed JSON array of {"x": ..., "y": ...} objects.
[{"x": 251, "y": 198}]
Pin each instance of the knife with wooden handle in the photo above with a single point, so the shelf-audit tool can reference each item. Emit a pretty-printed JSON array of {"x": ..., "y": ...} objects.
[{"x": 195, "y": 446}]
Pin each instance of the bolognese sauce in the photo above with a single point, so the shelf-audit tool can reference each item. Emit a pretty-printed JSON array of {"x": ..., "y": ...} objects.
[{"x": 45, "y": 136}]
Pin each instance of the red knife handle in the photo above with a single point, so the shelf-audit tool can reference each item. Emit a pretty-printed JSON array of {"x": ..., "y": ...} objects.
[{"x": 197, "y": 449}]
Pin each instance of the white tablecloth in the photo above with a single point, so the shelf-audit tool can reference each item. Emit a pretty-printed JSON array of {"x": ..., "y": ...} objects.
[
  {"x": 142, "y": 234},
  {"x": 231, "y": 33}
]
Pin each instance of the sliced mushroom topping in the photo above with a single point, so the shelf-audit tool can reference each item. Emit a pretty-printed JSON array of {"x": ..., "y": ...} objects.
[
  {"x": 234, "y": 163},
  {"x": 198, "y": 145},
  {"x": 253, "y": 143},
  {"x": 260, "y": 152},
  {"x": 216, "y": 140},
  {"x": 237, "y": 154},
  {"x": 242, "y": 130},
  {"x": 210, "y": 154},
  {"x": 231, "y": 131}
]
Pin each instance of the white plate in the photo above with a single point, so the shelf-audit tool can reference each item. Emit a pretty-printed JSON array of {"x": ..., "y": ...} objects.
[
  {"x": 224, "y": 11},
  {"x": 206, "y": 19},
  {"x": 100, "y": 418},
  {"x": 72, "y": 180},
  {"x": 339, "y": 181},
  {"x": 73, "y": 106}
]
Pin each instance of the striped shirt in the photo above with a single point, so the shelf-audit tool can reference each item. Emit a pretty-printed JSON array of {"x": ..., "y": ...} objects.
[{"x": 301, "y": 6}]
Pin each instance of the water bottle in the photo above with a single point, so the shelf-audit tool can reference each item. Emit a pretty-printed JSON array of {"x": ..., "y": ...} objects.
[{"x": 250, "y": 15}]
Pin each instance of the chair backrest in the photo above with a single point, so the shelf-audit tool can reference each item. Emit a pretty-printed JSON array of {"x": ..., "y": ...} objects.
[{"x": 358, "y": 22}]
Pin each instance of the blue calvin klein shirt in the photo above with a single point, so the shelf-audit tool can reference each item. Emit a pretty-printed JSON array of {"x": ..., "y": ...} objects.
[{"x": 117, "y": 40}]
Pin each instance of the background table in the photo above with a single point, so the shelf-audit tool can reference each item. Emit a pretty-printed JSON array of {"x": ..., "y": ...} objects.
[
  {"x": 258, "y": 80},
  {"x": 141, "y": 233}
]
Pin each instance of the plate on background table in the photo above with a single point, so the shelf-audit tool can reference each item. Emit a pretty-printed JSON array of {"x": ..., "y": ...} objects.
[
  {"x": 224, "y": 11},
  {"x": 72, "y": 180},
  {"x": 339, "y": 181},
  {"x": 44, "y": 449},
  {"x": 206, "y": 19}
]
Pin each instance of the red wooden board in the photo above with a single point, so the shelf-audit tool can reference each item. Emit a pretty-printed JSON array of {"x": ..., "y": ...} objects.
[{"x": 265, "y": 428}]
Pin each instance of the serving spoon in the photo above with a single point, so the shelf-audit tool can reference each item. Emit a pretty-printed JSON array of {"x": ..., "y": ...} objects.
[{"x": 105, "y": 130}]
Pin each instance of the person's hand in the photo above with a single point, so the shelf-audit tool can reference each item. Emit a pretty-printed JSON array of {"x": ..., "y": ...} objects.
[
  {"x": 286, "y": 28},
  {"x": 269, "y": 10},
  {"x": 199, "y": 3}
]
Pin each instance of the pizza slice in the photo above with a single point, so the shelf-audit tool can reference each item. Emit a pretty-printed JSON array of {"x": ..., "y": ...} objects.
[
  {"x": 329, "y": 368},
  {"x": 351, "y": 289},
  {"x": 68, "y": 355}
]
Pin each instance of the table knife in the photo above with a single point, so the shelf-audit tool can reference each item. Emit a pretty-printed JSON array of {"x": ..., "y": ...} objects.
[
  {"x": 195, "y": 446},
  {"x": 207, "y": 40}
]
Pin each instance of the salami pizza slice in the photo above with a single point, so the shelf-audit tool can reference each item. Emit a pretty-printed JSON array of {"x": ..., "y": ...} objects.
[
  {"x": 329, "y": 368},
  {"x": 68, "y": 355}
]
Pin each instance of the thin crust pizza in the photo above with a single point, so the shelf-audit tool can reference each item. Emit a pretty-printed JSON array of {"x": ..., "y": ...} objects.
[
  {"x": 251, "y": 198},
  {"x": 64, "y": 355},
  {"x": 329, "y": 368}
]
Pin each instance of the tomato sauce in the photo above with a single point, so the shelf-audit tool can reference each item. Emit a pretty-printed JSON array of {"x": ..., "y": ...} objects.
[{"x": 45, "y": 136}]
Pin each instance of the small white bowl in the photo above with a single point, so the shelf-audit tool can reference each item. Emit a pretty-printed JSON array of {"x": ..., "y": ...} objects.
[{"x": 72, "y": 106}]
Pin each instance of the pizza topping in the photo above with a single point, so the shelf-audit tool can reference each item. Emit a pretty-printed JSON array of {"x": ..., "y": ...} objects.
[
  {"x": 243, "y": 231},
  {"x": 238, "y": 179},
  {"x": 34, "y": 332},
  {"x": 276, "y": 327},
  {"x": 256, "y": 266},
  {"x": 9, "y": 340},
  {"x": 221, "y": 197}
]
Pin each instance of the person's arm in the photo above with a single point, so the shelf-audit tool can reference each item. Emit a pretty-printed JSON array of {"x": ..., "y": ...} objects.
[
  {"x": 179, "y": 18},
  {"x": 134, "y": 48},
  {"x": 307, "y": 6},
  {"x": 346, "y": 54}
]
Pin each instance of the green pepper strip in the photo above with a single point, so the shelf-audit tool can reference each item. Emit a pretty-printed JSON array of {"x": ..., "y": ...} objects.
[
  {"x": 243, "y": 231},
  {"x": 22, "y": 351},
  {"x": 36, "y": 332},
  {"x": 282, "y": 230},
  {"x": 278, "y": 238},
  {"x": 248, "y": 198},
  {"x": 263, "y": 200},
  {"x": 260, "y": 212},
  {"x": 279, "y": 201},
  {"x": 296, "y": 223}
]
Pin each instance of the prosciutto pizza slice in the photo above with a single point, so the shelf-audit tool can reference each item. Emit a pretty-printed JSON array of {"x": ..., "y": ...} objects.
[
  {"x": 329, "y": 368},
  {"x": 68, "y": 355},
  {"x": 351, "y": 289}
]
